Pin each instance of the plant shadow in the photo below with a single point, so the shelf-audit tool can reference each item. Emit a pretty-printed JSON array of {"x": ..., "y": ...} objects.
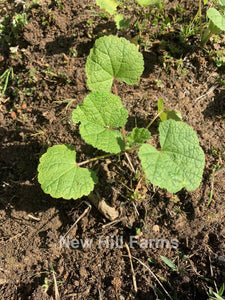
[{"x": 216, "y": 107}]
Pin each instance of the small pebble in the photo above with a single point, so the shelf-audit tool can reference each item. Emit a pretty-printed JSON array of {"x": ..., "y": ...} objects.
[
  {"x": 221, "y": 260},
  {"x": 155, "y": 228}
]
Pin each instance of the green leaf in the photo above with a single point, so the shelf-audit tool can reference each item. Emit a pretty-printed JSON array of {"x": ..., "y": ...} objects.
[
  {"x": 60, "y": 176},
  {"x": 108, "y": 5},
  {"x": 221, "y": 290},
  {"x": 138, "y": 136},
  {"x": 160, "y": 105},
  {"x": 121, "y": 22},
  {"x": 217, "y": 19},
  {"x": 173, "y": 114},
  {"x": 99, "y": 114},
  {"x": 145, "y": 3},
  {"x": 168, "y": 114},
  {"x": 113, "y": 57},
  {"x": 222, "y": 3},
  {"x": 180, "y": 162},
  {"x": 169, "y": 263},
  {"x": 163, "y": 115}
]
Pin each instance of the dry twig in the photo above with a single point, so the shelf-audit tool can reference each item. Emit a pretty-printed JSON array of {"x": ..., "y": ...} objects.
[
  {"x": 132, "y": 268},
  {"x": 80, "y": 217}
]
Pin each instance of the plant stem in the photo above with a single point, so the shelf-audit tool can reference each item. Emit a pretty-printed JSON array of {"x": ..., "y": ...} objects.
[
  {"x": 210, "y": 30},
  {"x": 107, "y": 155},
  {"x": 115, "y": 89},
  {"x": 200, "y": 17},
  {"x": 206, "y": 36},
  {"x": 95, "y": 158},
  {"x": 153, "y": 120},
  {"x": 124, "y": 133}
]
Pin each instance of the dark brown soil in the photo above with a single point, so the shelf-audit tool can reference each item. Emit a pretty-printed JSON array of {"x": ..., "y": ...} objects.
[{"x": 49, "y": 81}]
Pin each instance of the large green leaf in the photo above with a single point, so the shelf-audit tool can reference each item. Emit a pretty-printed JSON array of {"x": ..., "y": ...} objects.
[
  {"x": 99, "y": 114},
  {"x": 217, "y": 19},
  {"x": 108, "y": 5},
  {"x": 60, "y": 176},
  {"x": 180, "y": 162},
  {"x": 113, "y": 57},
  {"x": 145, "y": 3}
]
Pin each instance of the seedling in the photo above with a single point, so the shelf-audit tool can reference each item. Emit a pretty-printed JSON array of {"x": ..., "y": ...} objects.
[
  {"x": 169, "y": 263},
  {"x": 216, "y": 295},
  {"x": 110, "y": 6},
  {"x": 4, "y": 80},
  {"x": 216, "y": 23},
  {"x": 178, "y": 164}
]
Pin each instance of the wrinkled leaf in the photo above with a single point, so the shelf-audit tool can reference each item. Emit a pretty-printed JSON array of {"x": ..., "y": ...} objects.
[
  {"x": 113, "y": 57},
  {"x": 100, "y": 114},
  {"x": 138, "y": 136},
  {"x": 180, "y": 162},
  {"x": 108, "y": 5},
  {"x": 59, "y": 175}
]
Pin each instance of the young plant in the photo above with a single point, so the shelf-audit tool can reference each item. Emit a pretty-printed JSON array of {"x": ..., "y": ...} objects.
[
  {"x": 216, "y": 23},
  {"x": 4, "y": 80},
  {"x": 110, "y": 6},
  {"x": 178, "y": 164}
]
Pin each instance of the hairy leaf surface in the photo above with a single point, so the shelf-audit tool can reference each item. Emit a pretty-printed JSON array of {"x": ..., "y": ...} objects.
[
  {"x": 180, "y": 162},
  {"x": 100, "y": 114},
  {"x": 59, "y": 175},
  {"x": 113, "y": 57}
]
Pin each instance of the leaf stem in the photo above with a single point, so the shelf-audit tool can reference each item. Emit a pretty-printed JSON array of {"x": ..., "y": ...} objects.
[
  {"x": 124, "y": 133},
  {"x": 115, "y": 89},
  {"x": 95, "y": 158},
  {"x": 107, "y": 155},
  {"x": 200, "y": 17}
]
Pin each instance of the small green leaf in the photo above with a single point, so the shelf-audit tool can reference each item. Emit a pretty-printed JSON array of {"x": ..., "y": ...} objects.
[
  {"x": 163, "y": 115},
  {"x": 169, "y": 263},
  {"x": 168, "y": 114},
  {"x": 217, "y": 19},
  {"x": 145, "y": 3},
  {"x": 99, "y": 114},
  {"x": 180, "y": 162},
  {"x": 113, "y": 57},
  {"x": 173, "y": 114},
  {"x": 121, "y": 22},
  {"x": 108, "y": 5},
  {"x": 138, "y": 136},
  {"x": 160, "y": 105},
  {"x": 59, "y": 175}
]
